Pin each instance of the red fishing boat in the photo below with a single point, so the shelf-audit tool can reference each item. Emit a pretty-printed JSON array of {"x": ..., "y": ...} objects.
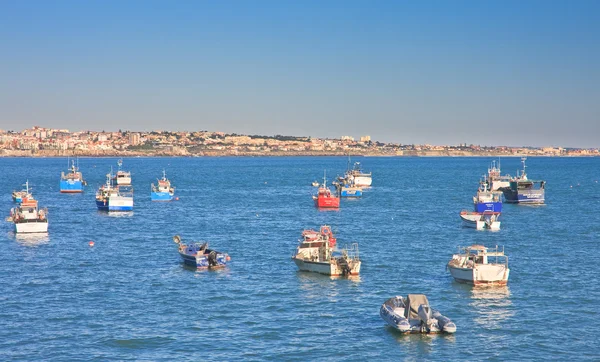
[{"x": 325, "y": 199}]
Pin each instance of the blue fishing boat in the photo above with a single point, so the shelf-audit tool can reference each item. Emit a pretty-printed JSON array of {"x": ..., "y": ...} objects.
[
  {"x": 20, "y": 196},
  {"x": 114, "y": 198},
  {"x": 199, "y": 256},
  {"x": 72, "y": 181},
  {"x": 163, "y": 190},
  {"x": 522, "y": 190},
  {"x": 347, "y": 188},
  {"x": 487, "y": 200}
]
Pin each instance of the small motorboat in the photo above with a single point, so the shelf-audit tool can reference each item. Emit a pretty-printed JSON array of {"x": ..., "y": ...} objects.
[
  {"x": 481, "y": 220},
  {"x": 413, "y": 314},
  {"x": 163, "y": 191},
  {"x": 200, "y": 256},
  {"x": 29, "y": 218},
  {"x": 477, "y": 265}
]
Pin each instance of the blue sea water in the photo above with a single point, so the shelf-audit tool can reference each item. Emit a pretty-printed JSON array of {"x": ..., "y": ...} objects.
[{"x": 130, "y": 298}]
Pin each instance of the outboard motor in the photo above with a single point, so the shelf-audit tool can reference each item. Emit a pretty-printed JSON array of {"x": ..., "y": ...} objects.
[
  {"x": 212, "y": 258},
  {"x": 445, "y": 323},
  {"x": 427, "y": 323}
]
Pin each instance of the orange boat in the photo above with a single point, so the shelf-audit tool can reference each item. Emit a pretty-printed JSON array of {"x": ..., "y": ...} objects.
[{"x": 325, "y": 199}]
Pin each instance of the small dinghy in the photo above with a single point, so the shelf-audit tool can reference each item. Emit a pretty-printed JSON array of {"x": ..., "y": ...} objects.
[
  {"x": 413, "y": 314},
  {"x": 200, "y": 256}
]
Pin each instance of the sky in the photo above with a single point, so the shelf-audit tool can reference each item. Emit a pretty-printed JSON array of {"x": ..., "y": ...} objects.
[{"x": 514, "y": 73}]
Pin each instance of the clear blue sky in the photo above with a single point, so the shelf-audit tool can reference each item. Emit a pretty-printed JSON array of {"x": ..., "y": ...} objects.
[{"x": 440, "y": 72}]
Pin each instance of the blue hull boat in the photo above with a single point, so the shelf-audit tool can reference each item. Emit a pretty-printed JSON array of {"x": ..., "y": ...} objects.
[
  {"x": 162, "y": 191},
  {"x": 161, "y": 196},
  {"x": 71, "y": 186}
]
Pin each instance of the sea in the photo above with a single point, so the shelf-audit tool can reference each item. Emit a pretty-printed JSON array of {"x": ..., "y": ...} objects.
[{"x": 129, "y": 297}]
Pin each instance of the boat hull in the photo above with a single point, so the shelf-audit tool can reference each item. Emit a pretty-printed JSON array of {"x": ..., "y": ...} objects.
[
  {"x": 327, "y": 202},
  {"x": 362, "y": 181},
  {"x": 326, "y": 268},
  {"x": 475, "y": 221},
  {"x": 71, "y": 186},
  {"x": 351, "y": 192},
  {"x": 161, "y": 196},
  {"x": 488, "y": 206},
  {"x": 201, "y": 261},
  {"x": 528, "y": 197},
  {"x": 31, "y": 227},
  {"x": 481, "y": 275},
  {"x": 116, "y": 204}
]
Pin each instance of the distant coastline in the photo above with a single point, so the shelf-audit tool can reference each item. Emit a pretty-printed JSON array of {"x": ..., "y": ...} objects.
[{"x": 48, "y": 142}]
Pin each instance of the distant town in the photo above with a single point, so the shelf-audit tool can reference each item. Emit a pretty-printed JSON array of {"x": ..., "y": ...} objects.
[{"x": 47, "y": 142}]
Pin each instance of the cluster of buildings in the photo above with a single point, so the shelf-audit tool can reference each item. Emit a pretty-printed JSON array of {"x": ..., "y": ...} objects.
[{"x": 38, "y": 141}]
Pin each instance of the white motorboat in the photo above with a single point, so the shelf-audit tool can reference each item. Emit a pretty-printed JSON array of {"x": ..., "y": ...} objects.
[
  {"x": 413, "y": 314},
  {"x": 28, "y": 218},
  {"x": 481, "y": 220},
  {"x": 316, "y": 253},
  {"x": 473, "y": 264}
]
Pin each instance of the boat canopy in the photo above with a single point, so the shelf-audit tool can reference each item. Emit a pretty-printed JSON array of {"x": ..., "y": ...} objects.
[{"x": 413, "y": 301}]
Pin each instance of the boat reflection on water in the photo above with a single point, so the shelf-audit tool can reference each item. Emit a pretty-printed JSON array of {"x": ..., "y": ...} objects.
[
  {"x": 116, "y": 214},
  {"x": 422, "y": 344},
  {"x": 492, "y": 305},
  {"x": 32, "y": 239}
]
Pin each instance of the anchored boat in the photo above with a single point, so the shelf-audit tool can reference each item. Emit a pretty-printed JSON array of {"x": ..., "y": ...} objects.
[
  {"x": 494, "y": 178},
  {"x": 487, "y": 200},
  {"x": 122, "y": 177},
  {"x": 478, "y": 265},
  {"x": 325, "y": 198},
  {"x": 413, "y": 314},
  {"x": 316, "y": 253},
  {"x": 481, "y": 220},
  {"x": 28, "y": 218},
  {"x": 522, "y": 190},
  {"x": 19, "y": 196},
  {"x": 72, "y": 181},
  {"x": 114, "y": 198},
  {"x": 163, "y": 190},
  {"x": 200, "y": 256}
]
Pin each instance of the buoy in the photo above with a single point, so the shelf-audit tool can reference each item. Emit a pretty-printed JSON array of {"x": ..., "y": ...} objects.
[
  {"x": 91, "y": 243},
  {"x": 228, "y": 258},
  {"x": 177, "y": 199}
]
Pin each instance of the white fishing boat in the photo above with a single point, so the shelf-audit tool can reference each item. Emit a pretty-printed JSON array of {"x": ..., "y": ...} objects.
[
  {"x": 477, "y": 265},
  {"x": 122, "y": 178},
  {"x": 317, "y": 253},
  {"x": 28, "y": 218},
  {"x": 114, "y": 198},
  {"x": 480, "y": 220},
  {"x": 357, "y": 177},
  {"x": 414, "y": 315},
  {"x": 495, "y": 180}
]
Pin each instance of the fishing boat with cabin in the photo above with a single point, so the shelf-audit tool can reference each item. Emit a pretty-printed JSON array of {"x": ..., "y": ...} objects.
[
  {"x": 72, "y": 181},
  {"x": 114, "y": 198},
  {"x": 487, "y": 200},
  {"x": 19, "y": 196},
  {"x": 413, "y": 314},
  {"x": 28, "y": 218},
  {"x": 479, "y": 265},
  {"x": 522, "y": 190},
  {"x": 325, "y": 199},
  {"x": 357, "y": 176},
  {"x": 316, "y": 252},
  {"x": 162, "y": 191},
  {"x": 122, "y": 178},
  {"x": 494, "y": 179},
  {"x": 199, "y": 256}
]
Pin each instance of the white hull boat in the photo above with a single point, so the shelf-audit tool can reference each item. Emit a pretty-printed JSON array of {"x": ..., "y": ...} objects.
[
  {"x": 414, "y": 315},
  {"x": 316, "y": 253},
  {"x": 480, "y": 221},
  {"x": 28, "y": 218},
  {"x": 473, "y": 265}
]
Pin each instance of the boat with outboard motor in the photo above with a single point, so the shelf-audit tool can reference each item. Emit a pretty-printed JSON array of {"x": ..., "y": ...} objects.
[
  {"x": 19, "y": 196},
  {"x": 200, "y": 256},
  {"x": 325, "y": 199},
  {"x": 122, "y": 177},
  {"x": 28, "y": 218},
  {"x": 162, "y": 191},
  {"x": 316, "y": 252},
  {"x": 413, "y": 314},
  {"x": 114, "y": 198},
  {"x": 522, "y": 190},
  {"x": 72, "y": 181},
  {"x": 473, "y": 265},
  {"x": 481, "y": 220}
]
